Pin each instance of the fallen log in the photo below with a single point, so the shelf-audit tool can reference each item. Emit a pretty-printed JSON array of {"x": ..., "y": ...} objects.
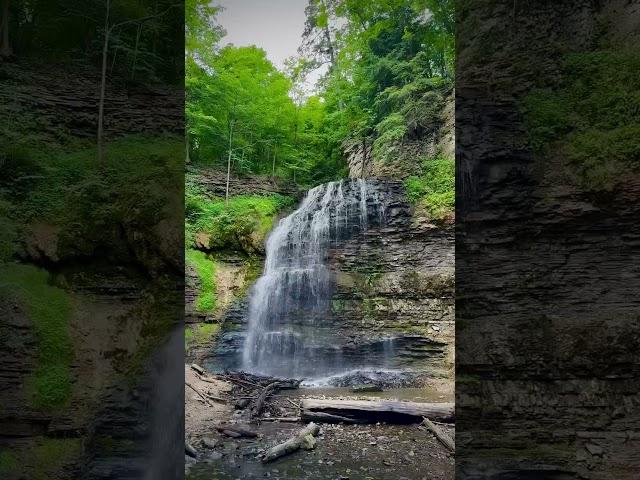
[
  {"x": 282, "y": 419},
  {"x": 310, "y": 416},
  {"x": 189, "y": 450},
  {"x": 266, "y": 391},
  {"x": 197, "y": 368},
  {"x": 303, "y": 439},
  {"x": 235, "y": 430},
  {"x": 444, "y": 438},
  {"x": 372, "y": 411},
  {"x": 366, "y": 388}
]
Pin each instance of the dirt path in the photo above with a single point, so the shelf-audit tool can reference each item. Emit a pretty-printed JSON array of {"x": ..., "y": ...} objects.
[{"x": 199, "y": 415}]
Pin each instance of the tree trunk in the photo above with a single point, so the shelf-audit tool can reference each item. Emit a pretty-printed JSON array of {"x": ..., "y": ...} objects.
[
  {"x": 273, "y": 165},
  {"x": 103, "y": 81},
  {"x": 135, "y": 52},
  {"x": 186, "y": 145},
  {"x": 5, "y": 46},
  {"x": 226, "y": 195}
]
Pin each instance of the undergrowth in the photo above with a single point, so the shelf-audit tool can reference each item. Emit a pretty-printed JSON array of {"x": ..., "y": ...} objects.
[
  {"x": 591, "y": 117},
  {"x": 435, "y": 188},
  {"x": 48, "y": 308},
  {"x": 205, "y": 270},
  {"x": 237, "y": 224}
]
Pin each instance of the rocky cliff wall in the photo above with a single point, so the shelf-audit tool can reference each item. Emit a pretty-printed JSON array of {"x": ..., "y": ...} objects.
[
  {"x": 405, "y": 156},
  {"x": 547, "y": 304}
]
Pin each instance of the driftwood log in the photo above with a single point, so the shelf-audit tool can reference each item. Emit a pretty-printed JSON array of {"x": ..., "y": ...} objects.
[
  {"x": 305, "y": 438},
  {"x": 372, "y": 411},
  {"x": 282, "y": 419},
  {"x": 235, "y": 431},
  {"x": 444, "y": 438},
  {"x": 312, "y": 416}
]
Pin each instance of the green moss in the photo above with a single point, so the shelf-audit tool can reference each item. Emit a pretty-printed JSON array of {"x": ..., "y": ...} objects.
[
  {"x": 48, "y": 309},
  {"x": 337, "y": 305},
  {"x": 590, "y": 117},
  {"x": 53, "y": 454},
  {"x": 205, "y": 269},
  {"x": 8, "y": 462},
  {"x": 200, "y": 334},
  {"x": 435, "y": 188}
]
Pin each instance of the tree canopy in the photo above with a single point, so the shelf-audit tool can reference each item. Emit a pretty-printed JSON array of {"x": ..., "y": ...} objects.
[{"x": 386, "y": 63}]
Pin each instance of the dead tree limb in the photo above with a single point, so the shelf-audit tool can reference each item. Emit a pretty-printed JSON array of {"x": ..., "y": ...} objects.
[
  {"x": 444, "y": 438},
  {"x": 200, "y": 394},
  {"x": 282, "y": 419},
  {"x": 266, "y": 391},
  {"x": 310, "y": 416},
  {"x": 235, "y": 430},
  {"x": 305, "y": 438}
]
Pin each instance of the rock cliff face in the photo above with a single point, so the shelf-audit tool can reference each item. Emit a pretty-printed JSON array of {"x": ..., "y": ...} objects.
[
  {"x": 392, "y": 299},
  {"x": 405, "y": 160},
  {"x": 547, "y": 358}
]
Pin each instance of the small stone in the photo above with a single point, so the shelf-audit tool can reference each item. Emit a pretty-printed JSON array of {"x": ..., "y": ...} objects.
[
  {"x": 214, "y": 456},
  {"x": 209, "y": 442},
  {"x": 594, "y": 449}
]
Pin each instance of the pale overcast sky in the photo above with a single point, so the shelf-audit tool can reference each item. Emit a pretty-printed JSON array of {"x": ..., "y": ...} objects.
[{"x": 274, "y": 25}]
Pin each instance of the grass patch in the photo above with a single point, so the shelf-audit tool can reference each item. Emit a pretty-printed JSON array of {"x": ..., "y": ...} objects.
[
  {"x": 48, "y": 309},
  {"x": 591, "y": 116},
  {"x": 435, "y": 188},
  {"x": 53, "y": 454},
  {"x": 205, "y": 270}
]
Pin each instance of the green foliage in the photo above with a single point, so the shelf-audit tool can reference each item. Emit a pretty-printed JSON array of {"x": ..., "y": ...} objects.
[
  {"x": 48, "y": 309},
  {"x": 393, "y": 66},
  {"x": 390, "y": 131},
  {"x": 92, "y": 203},
  {"x": 592, "y": 116},
  {"x": 9, "y": 237},
  {"x": 8, "y": 462},
  {"x": 200, "y": 334},
  {"x": 238, "y": 224},
  {"x": 65, "y": 31},
  {"x": 435, "y": 188},
  {"x": 205, "y": 270},
  {"x": 53, "y": 454}
]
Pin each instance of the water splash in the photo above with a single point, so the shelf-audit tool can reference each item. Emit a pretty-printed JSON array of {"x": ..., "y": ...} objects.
[{"x": 287, "y": 330}]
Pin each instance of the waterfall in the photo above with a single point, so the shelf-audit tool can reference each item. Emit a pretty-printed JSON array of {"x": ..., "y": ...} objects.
[{"x": 288, "y": 306}]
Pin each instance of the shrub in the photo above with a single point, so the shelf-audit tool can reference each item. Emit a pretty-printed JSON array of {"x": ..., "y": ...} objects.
[
  {"x": 205, "y": 270},
  {"x": 435, "y": 188},
  {"x": 48, "y": 309}
]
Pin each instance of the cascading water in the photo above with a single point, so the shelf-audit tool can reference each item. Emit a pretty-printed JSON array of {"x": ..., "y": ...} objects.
[{"x": 287, "y": 331}]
